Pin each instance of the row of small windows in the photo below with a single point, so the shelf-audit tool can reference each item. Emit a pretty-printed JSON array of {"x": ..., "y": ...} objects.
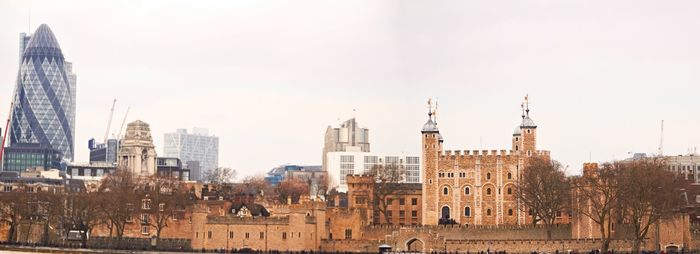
[
  {"x": 467, "y": 191},
  {"x": 468, "y": 212},
  {"x": 464, "y": 175},
  {"x": 247, "y": 235}
]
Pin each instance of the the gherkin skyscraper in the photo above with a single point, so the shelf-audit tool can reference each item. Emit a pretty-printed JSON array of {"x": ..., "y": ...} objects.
[{"x": 44, "y": 100}]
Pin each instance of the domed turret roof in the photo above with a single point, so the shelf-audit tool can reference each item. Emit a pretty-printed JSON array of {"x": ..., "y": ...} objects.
[
  {"x": 527, "y": 122},
  {"x": 430, "y": 127},
  {"x": 43, "y": 43},
  {"x": 516, "y": 132}
]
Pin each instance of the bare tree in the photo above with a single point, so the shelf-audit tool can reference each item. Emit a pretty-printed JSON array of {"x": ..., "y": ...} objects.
[
  {"x": 321, "y": 185},
  {"x": 648, "y": 193},
  {"x": 165, "y": 197},
  {"x": 118, "y": 200},
  {"x": 257, "y": 185},
  {"x": 49, "y": 207},
  {"x": 544, "y": 190},
  {"x": 82, "y": 213},
  {"x": 13, "y": 206},
  {"x": 387, "y": 179},
  {"x": 291, "y": 188},
  {"x": 220, "y": 175},
  {"x": 596, "y": 195}
]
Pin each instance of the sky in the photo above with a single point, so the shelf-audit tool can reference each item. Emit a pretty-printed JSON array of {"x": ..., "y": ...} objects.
[{"x": 268, "y": 77}]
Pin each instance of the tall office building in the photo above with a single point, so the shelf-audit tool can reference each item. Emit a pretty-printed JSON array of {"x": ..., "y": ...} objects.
[
  {"x": 349, "y": 134},
  {"x": 44, "y": 99},
  {"x": 355, "y": 162},
  {"x": 196, "y": 146}
]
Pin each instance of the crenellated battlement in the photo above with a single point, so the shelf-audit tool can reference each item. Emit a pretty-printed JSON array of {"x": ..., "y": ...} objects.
[
  {"x": 502, "y": 152},
  {"x": 472, "y": 153}
]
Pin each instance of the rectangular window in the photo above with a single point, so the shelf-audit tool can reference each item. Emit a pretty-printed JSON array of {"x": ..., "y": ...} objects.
[
  {"x": 209, "y": 234},
  {"x": 144, "y": 218},
  {"x": 402, "y": 201},
  {"x": 402, "y": 214},
  {"x": 230, "y": 235},
  {"x": 145, "y": 204},
  {"x": 348, "y": 233},
  {"x": 7, "y": 188},
  {"x": 161, "y": 207},
  {"x": 262, "y": 235},
  {"x": 247, "y": 235},
  {"x": 697, "y": 198},
  {"x": 347, "y": 159},
  {"x": 371, "y": 159},
  {"x": 414, "y": 201},
  {"x": 414, "y": 214},
  {"x": 389, "y": 201},
  {"x": 144, "y": 230},
  {"x": 284, "y": 235}
]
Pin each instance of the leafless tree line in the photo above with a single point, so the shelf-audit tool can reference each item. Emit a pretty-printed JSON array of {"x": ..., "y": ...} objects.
[
  {"x": 120, "y": 199},
  {"x": 638, "y": 194}
]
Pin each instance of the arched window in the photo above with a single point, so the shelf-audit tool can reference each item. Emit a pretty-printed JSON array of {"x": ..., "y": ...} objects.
[
  {"x": 510, "y": 212},
  {"x": 488, "y": 176},
  {"x": 488, "y": 191},
  {"x": 516, "y": 147},
  {"x": 488, "y": 212},
  {"x": 466, "y": 190},
  {"x": 445, "y": 191},
  {"x": 509, "y": 191},
  {"x": 510, "y": 176},
  {"x": 467, "y": 211}
]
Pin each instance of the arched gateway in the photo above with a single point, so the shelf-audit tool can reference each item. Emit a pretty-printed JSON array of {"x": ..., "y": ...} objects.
[{"x": 414, "y": 245}]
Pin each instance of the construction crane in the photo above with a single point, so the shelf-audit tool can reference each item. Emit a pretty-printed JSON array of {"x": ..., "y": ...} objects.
[
  {"x": 119, "y": 136},
  {"x": 4, "y": 136},
  {"x": 109, "y": 123}
]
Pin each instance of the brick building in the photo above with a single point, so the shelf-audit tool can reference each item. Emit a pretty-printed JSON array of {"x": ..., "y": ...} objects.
[{"x": 403, "y": 200}]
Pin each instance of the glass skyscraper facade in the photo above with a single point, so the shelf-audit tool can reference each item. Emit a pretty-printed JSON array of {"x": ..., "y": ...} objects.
[
  {"x": 44, "y": 99},
  {"x": 198, "y": 146}
]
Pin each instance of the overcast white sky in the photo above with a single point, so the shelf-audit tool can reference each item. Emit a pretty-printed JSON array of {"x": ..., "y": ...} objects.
[{"x": 268, "y": 77}]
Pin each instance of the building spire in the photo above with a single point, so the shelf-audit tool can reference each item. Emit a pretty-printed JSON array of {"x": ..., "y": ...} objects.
[
  {"x": 430, "y": 108},
  {"x": 522, "y": 108},
  {"x": 527, "y": 106}
]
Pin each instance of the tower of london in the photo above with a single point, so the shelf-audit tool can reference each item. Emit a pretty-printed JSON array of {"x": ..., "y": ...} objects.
[{"x": 475, "y": 187}]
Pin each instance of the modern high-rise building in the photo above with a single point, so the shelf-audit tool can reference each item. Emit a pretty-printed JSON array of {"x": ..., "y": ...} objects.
[
  {"x": 349, "y": 134},
  {"x": 355, "y": 162},
  {"x": 196, "y": 146},
  {"x": 44, "y": 99},
  {"x": 103, "y": 152}
]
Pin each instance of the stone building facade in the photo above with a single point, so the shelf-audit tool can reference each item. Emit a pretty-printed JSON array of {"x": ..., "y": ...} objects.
[
  {"x": 475, "y": 187},
  {"x": 403, "y": 200},
  {"x": 137, "y": 152}
]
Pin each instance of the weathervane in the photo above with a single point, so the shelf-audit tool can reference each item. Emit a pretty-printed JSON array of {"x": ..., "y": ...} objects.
[
  {"x": 527, "y": 106},
  {"x": 432, "y": 111}
]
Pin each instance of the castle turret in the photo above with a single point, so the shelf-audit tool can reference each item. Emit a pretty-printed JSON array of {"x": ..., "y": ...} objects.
[
  {"x": 432, "y": 144},
  {"x": 525, "y": 135}
]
